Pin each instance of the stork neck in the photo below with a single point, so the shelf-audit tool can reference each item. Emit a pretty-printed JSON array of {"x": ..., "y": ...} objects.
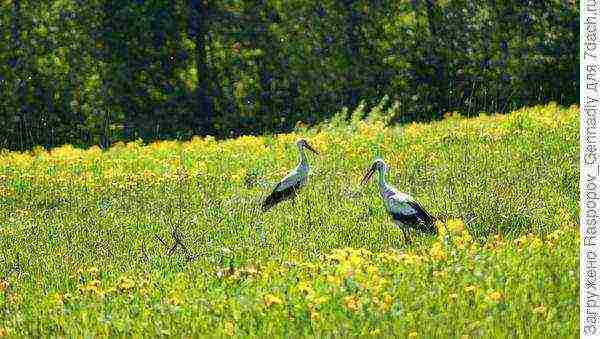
[
  {"x": 382, "y": 183},
  {"x": 302, "y": 155}
]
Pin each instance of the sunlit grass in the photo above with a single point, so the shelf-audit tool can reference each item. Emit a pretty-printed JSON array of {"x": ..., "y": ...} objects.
[{"x": 81, "y": 233}]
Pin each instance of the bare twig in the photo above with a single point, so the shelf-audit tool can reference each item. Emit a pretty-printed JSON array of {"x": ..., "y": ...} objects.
[
  {"x": 145, "y": 254},
  {"x": 161, "y": 240}
]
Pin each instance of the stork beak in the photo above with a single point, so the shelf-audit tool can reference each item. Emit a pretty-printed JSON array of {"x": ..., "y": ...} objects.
[
  {"x": 368, "y": 175},
  {"x": 311, "y": 148}
]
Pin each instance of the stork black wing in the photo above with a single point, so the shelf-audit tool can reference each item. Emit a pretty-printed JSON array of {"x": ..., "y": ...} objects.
[
  {"x": 278, "y": 196},
  {"x": 426, "y": 221},
  {"x": 421, "y": 220}
]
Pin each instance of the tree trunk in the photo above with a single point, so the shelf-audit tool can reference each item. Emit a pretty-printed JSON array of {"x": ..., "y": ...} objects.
[
  {"x": 199, "y": 27},
  {"x": 353, "y": 37},
  {"x": 258, "y": 37},
  {"x": 439, "y": 60},
  {"x": 17, "y": 66}
]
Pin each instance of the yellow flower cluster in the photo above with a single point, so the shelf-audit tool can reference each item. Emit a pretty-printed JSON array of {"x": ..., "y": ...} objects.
[
  {"x": 271, "y": 299},
  {"x": 371, "y": 129},
  {"x": 437, "y": 252}
]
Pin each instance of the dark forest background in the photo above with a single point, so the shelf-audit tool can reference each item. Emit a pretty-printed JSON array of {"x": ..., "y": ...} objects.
[{"x": 96, "y": 71}]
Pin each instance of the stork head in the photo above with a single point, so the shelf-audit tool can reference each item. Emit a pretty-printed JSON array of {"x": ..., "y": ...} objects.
[
  {"x": 378, "y": 165},
  {"x": 302, "y": 143}
]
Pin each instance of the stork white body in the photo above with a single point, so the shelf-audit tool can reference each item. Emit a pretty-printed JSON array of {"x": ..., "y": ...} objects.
[
  {"x": 288, "y": 186},
  {"x": 406, "y": 212}
]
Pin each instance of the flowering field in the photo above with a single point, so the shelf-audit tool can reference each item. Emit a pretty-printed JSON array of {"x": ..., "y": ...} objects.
[{"x": 166, "y": 238}]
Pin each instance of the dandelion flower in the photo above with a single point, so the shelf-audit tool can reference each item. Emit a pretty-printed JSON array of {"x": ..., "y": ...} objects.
[
  {"x": 319, "y": 300},
  {"x": 441, "y": 227},
  {"x": 387, "y": 301},
  {"x": 470, "y": 289},
  {"x": 352, "y": 303},
  {"x": 437, "y": 252},
  {"x": 412, "y": 334},
  {"x": 305, "y": 287},
  {"x": 494, "y": 296},
  {"x": 230, "y": 328},
  {"x": 93, "y": 287},
  {"x": 57, "y": 298},
  {"x": 440, "y": 274},
  {"x": 93, "y": 270},
  {"x": 175, "y": 301},
  {"x": 540, "y": 309},
  {"x": 126, "y": 284},
  {"x": 332, "y": 279},
  {"x": 314, "y": 315},
  {"x": 271, "y": 299},
  {"x": 455, "y": 226}
]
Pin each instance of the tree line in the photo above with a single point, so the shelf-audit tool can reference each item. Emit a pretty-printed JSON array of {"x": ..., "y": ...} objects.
[{"x": 92, "y": 72}]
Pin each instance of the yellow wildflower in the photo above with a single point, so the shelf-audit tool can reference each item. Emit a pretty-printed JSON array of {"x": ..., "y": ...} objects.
[
  {"x": 372, "y": 269},
  {"x": 466, "y": 236},
  {"x": 376, "y": 331},
  {"x": 93, "y": 270},
  {"x": 271, "y": 299},
  {"x": 521, "y": 241},
  {"x": 251, "y": 270},
  {"x": 126, "y": 283},
  {"x": 536, "y": 242},
  {"x": 437, "y": 252},
  {"x": 3, "y": 285},
  {"x": 332, "y": 279},
  {"x": 555, "y": 236},
  {"x": 413, "y": 130},
  {"x": 386, "y": 256},
  {"x": 387, "y": 301},
  {"x": 13, "y": 298},
  {"x": 352, "y": 303},
  {"x": 440, "y": 274},
  {"x": 230, "y": 328},
  {"x": 412, "y": 334},
  {"x": 494, "y": 296},
  {"x": 540, "y": 309},
  {"x": 93, "y": 287},
  {"x": 470, "y": 288},
  {"x": 314, "y": 315},
  {"x": 57, "y": 298},
  {"x": 318, "y": 300},
  {"x": 455, "y": 226},
  {"x": 305, "y": 287},
  {"x": 175, "y": 301},
  {"x": 3, "y": 332},
  {"x": 239, "y": 175}
]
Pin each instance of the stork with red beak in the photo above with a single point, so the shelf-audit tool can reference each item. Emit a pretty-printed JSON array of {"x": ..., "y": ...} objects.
[
  {"x": 288, "y": 187},
  {"x": 406, "y": 212}
]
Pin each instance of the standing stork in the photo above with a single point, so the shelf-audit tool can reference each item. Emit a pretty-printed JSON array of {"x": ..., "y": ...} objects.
[
  {"x": 406, "y": 212},
  {"x": 288, "y": 186}
]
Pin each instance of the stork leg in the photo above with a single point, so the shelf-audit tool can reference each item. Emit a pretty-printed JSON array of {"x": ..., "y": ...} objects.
[{"x": 406, "y": 236}]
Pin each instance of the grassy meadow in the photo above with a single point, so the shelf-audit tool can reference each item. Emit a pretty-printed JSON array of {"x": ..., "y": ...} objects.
[{"x": 86, "y": 236}]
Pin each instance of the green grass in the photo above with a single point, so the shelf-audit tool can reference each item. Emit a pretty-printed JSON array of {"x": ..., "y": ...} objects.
[{"x": 81, "y": 232}]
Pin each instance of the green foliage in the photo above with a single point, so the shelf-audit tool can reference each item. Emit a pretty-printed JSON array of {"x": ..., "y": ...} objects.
[
  {"x": 100, "y": 71},
  {"x": 82, "y": 232}
]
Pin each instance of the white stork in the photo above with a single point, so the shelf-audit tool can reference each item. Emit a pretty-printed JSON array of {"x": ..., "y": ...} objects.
[
  {"x": 406, "y": 212},
  {"x": 288, "y": 186}
]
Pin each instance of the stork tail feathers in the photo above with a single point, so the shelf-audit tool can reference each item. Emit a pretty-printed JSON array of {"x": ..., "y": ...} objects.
[
  {"x": 278, "y": 196},
  {"x": 427, "y": 227}
]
